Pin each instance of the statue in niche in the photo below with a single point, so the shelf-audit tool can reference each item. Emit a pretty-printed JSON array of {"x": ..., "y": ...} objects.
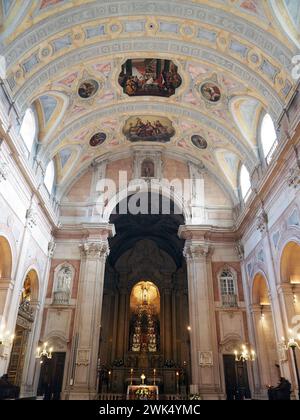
[
  {"x": 147, "y": 169},
  {"x": 64, "y": 279}
]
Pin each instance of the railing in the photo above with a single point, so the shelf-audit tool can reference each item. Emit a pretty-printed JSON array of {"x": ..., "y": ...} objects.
[
  {"x": 114, "y": 397},
  {"x": 111, "y": 397},
  {"x": 229, "y": 301}
]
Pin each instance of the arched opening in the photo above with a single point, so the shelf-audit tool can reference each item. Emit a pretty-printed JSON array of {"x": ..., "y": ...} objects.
[
  {"x": 144, "y": 331},
  {"x": 5, "y": 272},
  {"x": 265, "y": 338},
  {"x": 268, "y": 137},
  {"x": 28, "y": 128},
  {"x": 145, "y": 304},
  {"x": 290, "y": 277},
  {"x": 49, "y": 177},
  {"x": 290, "y": 294},
  {"x": 245, "y": 183},
  {"x": 24, "y": 328}
]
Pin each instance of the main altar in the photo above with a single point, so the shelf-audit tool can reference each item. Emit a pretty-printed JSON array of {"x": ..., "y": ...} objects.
[{"x": 142, "y": 392}]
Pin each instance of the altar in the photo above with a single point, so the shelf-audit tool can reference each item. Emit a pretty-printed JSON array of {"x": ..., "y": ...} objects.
[{"x": 142, "y": 392}]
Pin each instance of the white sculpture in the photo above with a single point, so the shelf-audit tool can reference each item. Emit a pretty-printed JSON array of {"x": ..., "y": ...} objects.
[{"x": 64, "y": 279}]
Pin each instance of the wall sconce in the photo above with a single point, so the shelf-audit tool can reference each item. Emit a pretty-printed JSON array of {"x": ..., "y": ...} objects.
[
  {"x": 262, "y": 315},
  {"x": 293, "y": 345},
  {"x": 6, "y": 340}
]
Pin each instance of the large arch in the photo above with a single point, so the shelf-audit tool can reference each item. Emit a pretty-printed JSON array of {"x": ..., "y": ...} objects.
[{"x": 290, "y": 263}]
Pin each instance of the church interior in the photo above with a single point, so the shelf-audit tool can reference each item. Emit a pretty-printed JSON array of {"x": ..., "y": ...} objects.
[{"x": 150, "y": 199}]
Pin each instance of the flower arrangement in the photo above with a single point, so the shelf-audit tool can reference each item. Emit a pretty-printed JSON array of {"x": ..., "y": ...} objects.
[
  {"x": 195, "y": 397},
  {"x": 142, "y": 393}
]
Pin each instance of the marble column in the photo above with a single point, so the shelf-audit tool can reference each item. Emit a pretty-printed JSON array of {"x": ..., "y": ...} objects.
[
  {"x": 203, "y": 340},
  {"x": 94, "y": 251},
  {"x": 122, "y": 320}
]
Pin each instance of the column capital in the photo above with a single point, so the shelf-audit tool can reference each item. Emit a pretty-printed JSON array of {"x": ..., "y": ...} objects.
[
  {"x": 197, "y": 250},
  {"x": 94, "y": 249}
]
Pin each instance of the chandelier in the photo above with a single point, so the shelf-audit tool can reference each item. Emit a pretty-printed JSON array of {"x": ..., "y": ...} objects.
[
  {"x": 245, "y": 355},
  {"x": 44, "y": 352}
]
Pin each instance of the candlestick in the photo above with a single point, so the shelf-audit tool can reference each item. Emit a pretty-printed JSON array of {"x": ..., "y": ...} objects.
[
  {"x": 131, "y": 372},
  {"x": 154, "y": 374}
]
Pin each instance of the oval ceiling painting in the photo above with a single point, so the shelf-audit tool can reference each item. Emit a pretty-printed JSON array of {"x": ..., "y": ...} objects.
[
  {"x": 88, "y": 88},
  {"x": 199, "y": 141},
  {"x": 210, "y": 92},
  {"x": 97, "y": 139},
  {"x": 149, "y": 128},
  {"x": 149, "y": 77}
]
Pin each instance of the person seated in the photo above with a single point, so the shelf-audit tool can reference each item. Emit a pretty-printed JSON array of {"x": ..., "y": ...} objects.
[{"x": 281, "y": 392}]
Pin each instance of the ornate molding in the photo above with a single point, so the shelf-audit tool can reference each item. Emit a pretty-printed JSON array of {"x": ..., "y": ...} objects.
[
  {"x": 3, "y": 171},
  {"x": 51, "y": 248},
  {"x": 31, "y": 217},
  {"x": 205, "y": 358},
  {"x": 83, "y": 357},
  {"x": 262, "y": 222},
  {"x": 239, "y": 248},
  {"x": 293, "y": 179},
  {"x": 94, "y": 249}
]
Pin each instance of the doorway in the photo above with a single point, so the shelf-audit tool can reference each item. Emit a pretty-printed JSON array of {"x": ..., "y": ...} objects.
[
  {"x": 51, "y": 376},
  {"x": 236, "y": 378}
]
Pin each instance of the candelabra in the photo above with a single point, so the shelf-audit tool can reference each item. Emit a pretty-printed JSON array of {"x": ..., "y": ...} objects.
[
  {"x": 293, "y": 345},
  {"x": 245, "y": 355},
  {"x": 44, "y": 352}
]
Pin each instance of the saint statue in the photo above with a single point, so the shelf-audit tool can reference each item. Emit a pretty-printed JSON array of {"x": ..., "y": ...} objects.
[{"x": 64, "y": 279}]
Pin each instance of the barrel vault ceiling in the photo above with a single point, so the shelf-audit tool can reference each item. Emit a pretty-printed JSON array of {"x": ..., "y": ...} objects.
[{"x": 241, "y": 46}]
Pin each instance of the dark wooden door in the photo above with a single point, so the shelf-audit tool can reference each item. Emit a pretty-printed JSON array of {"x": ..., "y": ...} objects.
[
  {"x": 51, "y": 376},
  {"x": 18, "y": 352},
  {"x": 236, "y": 378}
]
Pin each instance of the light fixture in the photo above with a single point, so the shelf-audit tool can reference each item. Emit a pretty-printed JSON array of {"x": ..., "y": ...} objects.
[
  {"x": 44, "y": 352},
  {"x": 262, "y": 315},
  {"x": 293, "y": 345},
  {"x": 6, "y": 340},
  {"x": 245, "y": 355}
]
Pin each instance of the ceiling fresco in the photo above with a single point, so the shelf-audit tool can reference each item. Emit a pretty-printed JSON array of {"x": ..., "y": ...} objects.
[{"x": 197, "y": 73}]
